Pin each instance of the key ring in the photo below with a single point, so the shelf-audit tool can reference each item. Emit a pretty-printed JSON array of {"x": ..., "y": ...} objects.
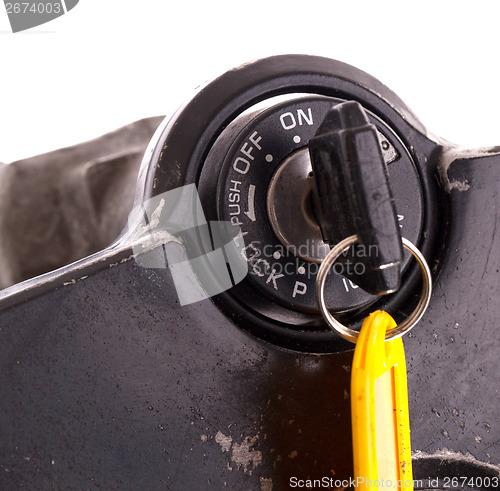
[{"x": 400, "y": 329}]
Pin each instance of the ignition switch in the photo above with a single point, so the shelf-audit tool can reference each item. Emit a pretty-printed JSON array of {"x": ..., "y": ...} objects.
[{"x": 247, "y": 147}]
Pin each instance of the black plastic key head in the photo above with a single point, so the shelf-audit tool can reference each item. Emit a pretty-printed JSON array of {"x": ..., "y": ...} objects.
[{"x": 352, "y": 196}]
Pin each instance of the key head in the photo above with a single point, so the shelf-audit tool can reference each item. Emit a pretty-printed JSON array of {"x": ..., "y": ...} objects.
[{"x": 352, "y": 196}]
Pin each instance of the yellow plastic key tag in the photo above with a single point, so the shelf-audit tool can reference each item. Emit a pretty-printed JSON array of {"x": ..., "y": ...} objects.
[{"x": 379, "y": 409}]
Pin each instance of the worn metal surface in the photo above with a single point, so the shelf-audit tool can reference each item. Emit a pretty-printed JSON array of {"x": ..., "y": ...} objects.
[
  {"x": 109, "y": 383},
  {"x": 64, "y": 205}
]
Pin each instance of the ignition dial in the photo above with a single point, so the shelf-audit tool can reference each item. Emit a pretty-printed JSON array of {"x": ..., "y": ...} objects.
[{"x": 265, "y": 188}]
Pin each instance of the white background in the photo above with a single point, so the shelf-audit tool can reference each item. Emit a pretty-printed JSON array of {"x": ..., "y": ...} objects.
[{"x": 110, "y": 62}]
